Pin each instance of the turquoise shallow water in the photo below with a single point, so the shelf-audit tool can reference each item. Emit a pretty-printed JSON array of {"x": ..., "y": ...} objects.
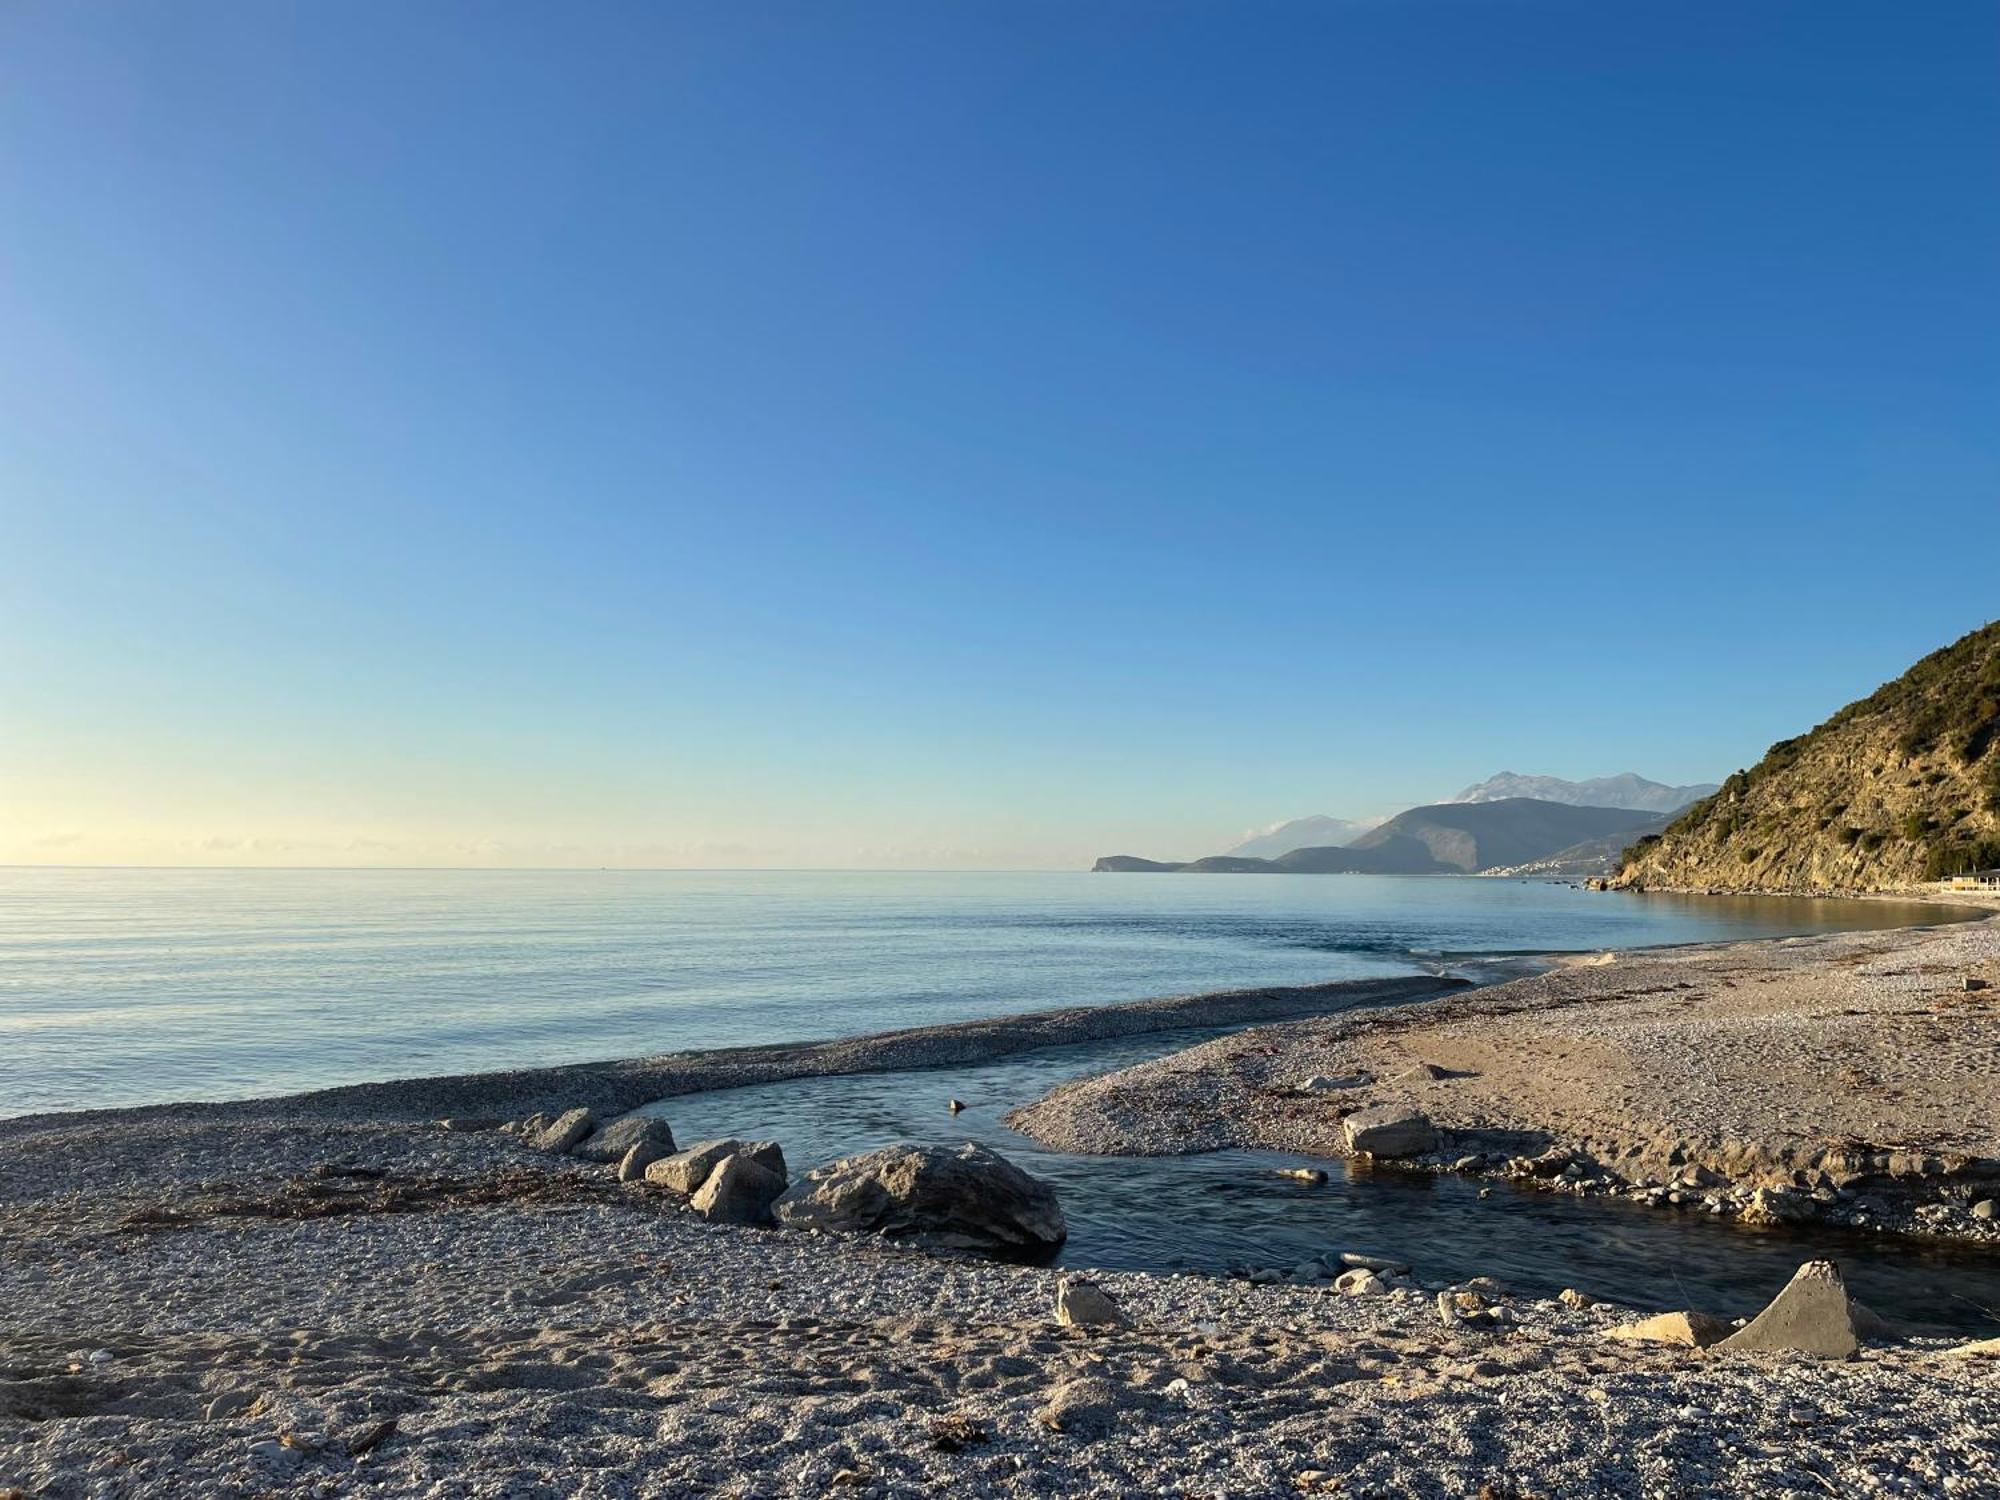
[{"x": 138, "y": 986}]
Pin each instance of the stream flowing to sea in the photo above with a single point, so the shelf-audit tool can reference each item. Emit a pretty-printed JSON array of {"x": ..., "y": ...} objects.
[
  {"x": 123, "y": 987},
  {"x": 1227, "y": 1210}
]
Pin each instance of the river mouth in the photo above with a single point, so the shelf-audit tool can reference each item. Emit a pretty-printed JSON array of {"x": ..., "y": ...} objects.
[{"x": 1221, "y": 1211}]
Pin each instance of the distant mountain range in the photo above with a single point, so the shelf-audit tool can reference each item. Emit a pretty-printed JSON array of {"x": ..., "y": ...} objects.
[
  {"x": 1626, "y": 790},
  {"x": 1448, "y": 838},
  {"x": 1623, "y": 790}
]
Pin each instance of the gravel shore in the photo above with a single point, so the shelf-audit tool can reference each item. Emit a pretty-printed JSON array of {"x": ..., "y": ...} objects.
[
  {"x": 573, "y": 1337},
  {"x": 334, "y": 1295},
  {"x": 618, "y": 1085},
  {"x": 1852, "y": 1075}
]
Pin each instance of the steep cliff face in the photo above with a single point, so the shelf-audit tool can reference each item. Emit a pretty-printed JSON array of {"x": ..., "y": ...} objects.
[{"x": 1898, "y": 789}]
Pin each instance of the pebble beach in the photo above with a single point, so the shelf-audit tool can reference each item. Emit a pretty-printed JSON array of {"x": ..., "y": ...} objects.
[{"x": 342, "y": 1294}]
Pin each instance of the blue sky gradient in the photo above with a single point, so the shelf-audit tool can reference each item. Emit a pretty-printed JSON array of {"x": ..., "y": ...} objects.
[{"x": 963, "y": 434}]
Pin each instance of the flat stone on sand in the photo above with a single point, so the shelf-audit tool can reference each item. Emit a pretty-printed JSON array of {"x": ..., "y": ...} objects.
[
  {"x": 1690, "y": 1330},
  {"x": 1086, "y": 1407},
  {"x": 1389, "y": 1131}
]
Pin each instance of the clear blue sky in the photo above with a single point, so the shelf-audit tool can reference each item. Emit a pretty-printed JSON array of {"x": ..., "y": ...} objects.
[{"x": 948, "y": 433}]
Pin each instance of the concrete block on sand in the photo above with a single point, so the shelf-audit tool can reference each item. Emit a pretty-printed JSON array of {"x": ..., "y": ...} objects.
[
  {"x": 685, "y": 1171},
  {"x": 1812, "y": 1315},
  {"x": 570, "y": 1126}
]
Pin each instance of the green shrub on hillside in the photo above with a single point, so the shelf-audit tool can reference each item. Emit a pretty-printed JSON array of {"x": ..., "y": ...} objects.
[{"x": 1949, "y": 859}]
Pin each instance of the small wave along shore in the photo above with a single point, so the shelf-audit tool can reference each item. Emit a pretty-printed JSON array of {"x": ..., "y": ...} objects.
[{"x": 338, "y": 1293}]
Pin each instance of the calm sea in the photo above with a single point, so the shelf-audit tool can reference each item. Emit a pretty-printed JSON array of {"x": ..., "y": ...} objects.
[{"x": 139, "y": 986}]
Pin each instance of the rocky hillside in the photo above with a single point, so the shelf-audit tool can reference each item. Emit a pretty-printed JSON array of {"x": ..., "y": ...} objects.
[{"x": 1900, "y": 788}]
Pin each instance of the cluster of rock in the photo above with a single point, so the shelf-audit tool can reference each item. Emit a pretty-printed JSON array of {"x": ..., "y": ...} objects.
[
  {"x": 967, "y": 1199},
  {"x": 1812, "y": 1316},
  {"x": 1861, "y": 1187},
  {"x": 1864, "y": 1190},
  {"x": 1352, "y": 1273}
]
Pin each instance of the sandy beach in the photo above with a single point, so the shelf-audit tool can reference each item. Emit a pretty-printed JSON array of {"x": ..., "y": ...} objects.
[{"x": 335, "y": 1294}]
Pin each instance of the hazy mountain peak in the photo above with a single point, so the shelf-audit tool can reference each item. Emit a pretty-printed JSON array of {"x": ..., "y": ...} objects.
[
  {"x": 1451, "y": 838},
  {"x": 1627, "y": 789},
  {"x": 1316, "y": 831}
]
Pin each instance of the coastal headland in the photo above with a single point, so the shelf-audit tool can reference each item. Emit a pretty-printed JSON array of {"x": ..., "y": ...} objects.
[{"x": 342, "y": 1293}]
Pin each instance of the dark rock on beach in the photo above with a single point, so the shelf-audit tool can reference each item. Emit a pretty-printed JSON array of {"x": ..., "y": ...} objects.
[
  {"x": 972, "y": 1199},
  {"x": 613, "y": 1141}
]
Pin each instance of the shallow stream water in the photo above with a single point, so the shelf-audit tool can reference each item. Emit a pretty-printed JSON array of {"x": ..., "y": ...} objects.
[{"x": 1224, "y": 1209}]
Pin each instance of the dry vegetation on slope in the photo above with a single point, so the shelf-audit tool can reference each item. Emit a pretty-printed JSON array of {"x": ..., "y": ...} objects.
[{"x": 1897, "y": 789}]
